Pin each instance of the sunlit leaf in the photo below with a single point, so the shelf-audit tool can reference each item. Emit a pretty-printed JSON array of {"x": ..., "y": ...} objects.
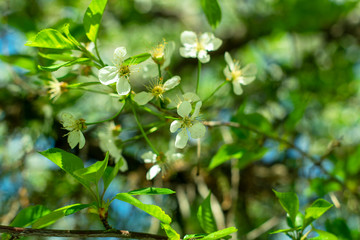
[
  {"x": 57, "y": 56},
  {"x": 153, "y": 210},
  {"x": 290, "y": 203},
  {"x": 285, "y": 230},
  {"x": 56, "y": 67},
  {"x": 317, "y": 208},
  {"x": 225, "y": 153},
  {"x": 29, "y": 215},
  {"x": 50, "y": 38},
  {"x": 212, "y": 12},
  {"x": 137, "y": 59},
  {"x": 205, "y": 216},
  {"x": 220, "y": 234},
  {"x": 323, "y": 235},
  {"x": 94, "y": 172},
  {"x": 55, "y": 215},
  {"x": 110, "y": 173},
  {"x": 170, "y": 232},
  {"x": 151, "y": 191},
  {"x": 92, "y": 18},
  {"x": 193, "y": 236}
]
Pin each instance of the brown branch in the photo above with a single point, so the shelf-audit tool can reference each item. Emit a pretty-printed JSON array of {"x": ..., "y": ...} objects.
[{"x": 19, "y": 232}]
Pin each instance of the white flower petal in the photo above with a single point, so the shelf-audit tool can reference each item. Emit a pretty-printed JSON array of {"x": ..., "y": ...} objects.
[
  {"x": 246, "y": 80},
  {"x": 197, "y": 130},
  {"x": 175, "y": 156},
  {"x": 149, "y": 157},
  {"x": 153, "y": 171},
  {"x": 203, "y": 56},
  {"x": 181, "y": 139},
  {"x": 108, "y": 75},
  {"x": 249, "y": 70},
  {"x": 175, "y": 125},
  {"x": 81, "y": 140},
  {"x": 171, "y": 83},
  {"x": 188, "y": 38},
  {"x": 227, "y": 73},
  {"x": 210, "y": 42},
  {"x": 188, "y": 52},
  {"x": 68, "y": 121},
  {"x": 184, "y": 109},
  {"x": 229, "y": 62},
  {"x": 74, "y": 138},
  {"x": 143, "y": 98},
  {"x": 237, "y": 88},
  {"x": 196, "y": 110},
  {"x": 123, "y": 86},
  {"x": 119, "y": 55}
]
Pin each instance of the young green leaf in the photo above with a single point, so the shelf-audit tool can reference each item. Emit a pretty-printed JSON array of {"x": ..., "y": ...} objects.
[
  {"x": 225, "y": 153},
  {"x": 318, "y": 208},
  {"x": 212, "y": 12},
  {"x": 56, "y": 67},
  {"x": 57, "y": 56},
  {"x": 92, "y": 18},
  {"x": 29, "y": 215},
  {"x": 285, "y": 230},
  {"x": 94, "y": 172},
  {"x": 220, "y": 234},
  {"x": 67, "y": 33},
  {"x": 50, "y": 38},
  {"x": 55, "y": 215},
  {"x": 153, "y": 210},
  {"x": 137, "y": 59},
  {"x": 151, "y": 191},
  {"x": 324, "y": 235},
  {"x": 290, "y": 203},
  {"x": 205, "y": 216},
  {"x": 193, "y": 236},
  {"x": 110, "y": 173},
  {"x": 170, "y": 232},
  {"x": 67, "y": 162}
]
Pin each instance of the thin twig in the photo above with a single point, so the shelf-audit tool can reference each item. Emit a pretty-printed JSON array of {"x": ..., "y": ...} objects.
[{"x": 17, "y": 232}]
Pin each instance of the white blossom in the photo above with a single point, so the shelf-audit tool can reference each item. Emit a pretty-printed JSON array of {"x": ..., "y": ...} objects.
[
  {"x": 237, "y": 75},
  {"x": 74, "y": 126},
  {"x": 156, "y": 90},
  {"x": 118, "y": 74},
  {"x": 160, "y": 162},
  {"x": 198, "y": 46},
  {"x": 187, "y": 123}
]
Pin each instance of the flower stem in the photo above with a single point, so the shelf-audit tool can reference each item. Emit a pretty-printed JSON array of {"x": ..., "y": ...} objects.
[
  {"x": 198, "y": 76},
  {"x": 142, "y": 130},
  {"x": 159, "y": 69},
  {"x": 98, "y": 55},
  {"x": 109, "y": 119},
  {"x": 217, "y": 89}
]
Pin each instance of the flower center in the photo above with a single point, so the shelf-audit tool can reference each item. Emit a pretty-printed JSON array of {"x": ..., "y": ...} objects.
[
  {"x": 158, "y": 90},
  {"x": 236, "y": 73},
  {"x": 160, "y": 159},
  {"x": 124, "y": 71},
  {"x": 187, "y": 122}
]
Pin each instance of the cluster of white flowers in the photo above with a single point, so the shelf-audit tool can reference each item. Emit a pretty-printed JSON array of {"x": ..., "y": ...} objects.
[{"x": 187, "y": 124}]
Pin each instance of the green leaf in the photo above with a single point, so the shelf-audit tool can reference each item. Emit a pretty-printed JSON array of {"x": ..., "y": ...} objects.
[
  {"x": 94, "y": 172},
  {"x": 212, "y": 12},
  {"x": 137, "y": 59},
  {"x": 92, "y": 18},
  {"x": 50, "y": 38},
  {"x": 67, "y": 33},
  {"x": 170, "y": 232},
  {"x": 220, "y": 234},
  {"x": 55, "y": 56},
  {"x": 55, "y": 215},
  {"x": 318, "y": 208},
  {"x": 56, "y": 67},
  {"x": 205, "y": 216},
  {"x": 151, "y": 191},
  {"x": 67, "y": 162},
  {"x": 22, "y": 61},
  {"x": 193, "y": 236},
  {"x": 290, "y": 203},
  {"x": 29, "y": 215},
  {"x": 285, "y": 230},
  {"x": 225, "y": 153},
  {"x": 324, "y": 235},
  {"x": 153, "y": 210},
  {"x": 110, "y": 173}
]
